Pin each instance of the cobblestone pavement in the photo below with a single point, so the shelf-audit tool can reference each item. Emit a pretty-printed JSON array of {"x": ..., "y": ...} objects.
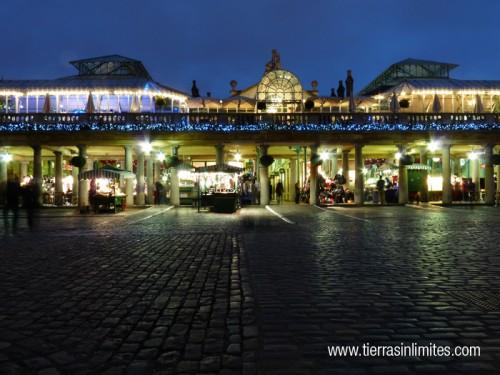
[
  {"x": 154, "y": 292},
  {"x": 171, "y": 291},
  {"x": 386, "y": 276}
]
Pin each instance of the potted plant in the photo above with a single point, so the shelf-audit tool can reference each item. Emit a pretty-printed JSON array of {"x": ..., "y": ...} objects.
[
  {"x": 404, "y": 103},
  {"x": 78, "y": 161},
  {"x": 261, "y": 106},
  {"x": 406, "y": 160},
  {"x": 266, "y": 160},
  {"x": 172, "y": 161}
]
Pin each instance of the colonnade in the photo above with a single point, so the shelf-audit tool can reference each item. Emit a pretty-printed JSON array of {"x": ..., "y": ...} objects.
[{"x": 147, "y": 170}]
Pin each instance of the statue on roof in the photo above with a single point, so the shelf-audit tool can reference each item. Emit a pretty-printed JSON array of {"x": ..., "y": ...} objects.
[
  {"x": 275, "y": 62},
  {"x": 349, "y": 84},
  {"x": 195, "y": 93}
]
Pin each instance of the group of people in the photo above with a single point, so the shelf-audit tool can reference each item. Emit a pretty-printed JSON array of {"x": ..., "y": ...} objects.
[
  {"x": 250, "y": 191},
  {"x": 12, "y": 194}
]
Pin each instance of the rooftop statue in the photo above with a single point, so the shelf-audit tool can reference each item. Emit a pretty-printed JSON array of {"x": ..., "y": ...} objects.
[
  {"x": 195, "y": 92},
  {"x": 349, "y": 84},
  {"x": 275, "y": 62}
]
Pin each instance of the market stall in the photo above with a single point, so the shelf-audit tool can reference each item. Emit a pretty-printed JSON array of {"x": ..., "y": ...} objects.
[
  {"x": 218, "y": 188},
  {"x": 104, "y": 193}
]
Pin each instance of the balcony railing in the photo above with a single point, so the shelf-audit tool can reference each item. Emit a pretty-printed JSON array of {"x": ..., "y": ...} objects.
[{"x": 249, "y": 122}]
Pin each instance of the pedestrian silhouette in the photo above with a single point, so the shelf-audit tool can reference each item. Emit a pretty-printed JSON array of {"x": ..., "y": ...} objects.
[
  {"x": 11, "y": 203},
  {"x": 29, "y": 193}
]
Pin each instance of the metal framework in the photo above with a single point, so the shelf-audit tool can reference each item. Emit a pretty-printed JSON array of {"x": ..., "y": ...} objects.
[
  {"x": 407, "y": 69},
  {"x": 280, "y": 90},
  {"x": 113, "y": 65}
]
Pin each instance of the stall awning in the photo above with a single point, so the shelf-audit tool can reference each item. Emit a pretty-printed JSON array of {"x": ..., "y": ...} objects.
[
  {"x": 226, "y": 168},
  {"x": 416, "y": 166},
  {"x": 105, "y": 172}
]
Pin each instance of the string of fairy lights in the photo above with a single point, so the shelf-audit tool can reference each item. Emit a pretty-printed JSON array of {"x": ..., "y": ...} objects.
[{"x": 185, "y": 126}]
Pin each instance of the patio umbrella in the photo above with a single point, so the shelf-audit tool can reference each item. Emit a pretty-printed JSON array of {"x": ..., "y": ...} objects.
[
  {"x": 90, "y": 108},
  {"x": 394, "y": 103},
  {"x": 46, "y": 104},
  {"x": 478, "y": 108},
  {"x": 436, "y": 104},
  {"x": 135, "y": 106}
]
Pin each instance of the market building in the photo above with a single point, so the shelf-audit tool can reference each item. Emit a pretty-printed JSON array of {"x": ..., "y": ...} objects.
[{"x": 112, "y": 130}]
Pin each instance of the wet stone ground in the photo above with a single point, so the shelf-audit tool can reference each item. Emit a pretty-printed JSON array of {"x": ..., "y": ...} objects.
[{"x": 171, "y": 291}]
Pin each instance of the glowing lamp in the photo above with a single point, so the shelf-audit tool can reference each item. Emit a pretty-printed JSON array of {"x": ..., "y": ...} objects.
[
  {"x": 146, "y": 147},
  {"x": 433, "y": 146},
  {"x": 6, "y": 157},
  {"x": 160, "y": 156}
]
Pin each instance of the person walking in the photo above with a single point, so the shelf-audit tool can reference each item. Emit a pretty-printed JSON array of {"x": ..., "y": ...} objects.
[
  {"x": 279, "y": 192},
  {"x": 256, "y": 191},
  {"x": 29, "y": 194},
  {"x": 297, "y": 193},
  {"x": 11, "y": 203},
  {"x": 380, "y": 189}
]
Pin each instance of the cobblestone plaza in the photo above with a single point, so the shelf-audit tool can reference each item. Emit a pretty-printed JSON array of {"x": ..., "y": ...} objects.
[{"x": 172, "y": 291}]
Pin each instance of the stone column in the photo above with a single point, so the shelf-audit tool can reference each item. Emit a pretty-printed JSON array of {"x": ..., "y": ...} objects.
[
  {"x": 264, "y": 178},
  {"x": 23, "y": 169},
  {"x": 293, "y": 179},
  {"x": 37, "y": 172},
  {"x": 345, "y": 165},
  {"x": 150, "y": 179},
  {"x": 423, "y": 155},
  {"x": 74, "y": 174},
  {"x": 3, "y": 173},
  {"x": 497, "y": 171},
  {"x": 129, "y": 182},
  {"x": 313, "y": 177},
  {"x": 157, "y": 170},
  {"x": 402, "y": 179},
  {"x": 82, "y": 187},
  {"x": 359, "y": 182},
  {"x": 219, "y": 155},
  {"x": 445, "y": 154},
  {"x": 335, "y": 167},
  {"x": 475, "y": 172},
  {"x": 140, "y": 198},
  {"x": 58, "y": 168},
  {"x": 489, "y": 182},
  {"x": 175, "y": 198}
]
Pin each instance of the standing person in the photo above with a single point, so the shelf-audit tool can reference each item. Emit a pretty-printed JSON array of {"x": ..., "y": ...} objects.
[
  {"x": 297, "y": 192},
  {"x": 29, "y": 193},
  {"x": 279, "y": 192},
  {"x": 380, "y": 189},
  {"x": 256, "y": 191},
  {"x": 12, "y": 192}
]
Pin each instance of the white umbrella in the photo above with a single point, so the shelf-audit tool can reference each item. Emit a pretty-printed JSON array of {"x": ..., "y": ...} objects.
[
  {"x": 90, "y": 107},
  {"x": 478, "y": 108},
  {"x": 436, "y": 104},
  {"x": 394, "y": 103},
  {"x": 135, "y": 106},
  {"x": 46, "y": 104}
]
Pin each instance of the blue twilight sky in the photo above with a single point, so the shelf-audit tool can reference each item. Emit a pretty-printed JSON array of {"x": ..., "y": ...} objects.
[{"x": 215, "y": 41}]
